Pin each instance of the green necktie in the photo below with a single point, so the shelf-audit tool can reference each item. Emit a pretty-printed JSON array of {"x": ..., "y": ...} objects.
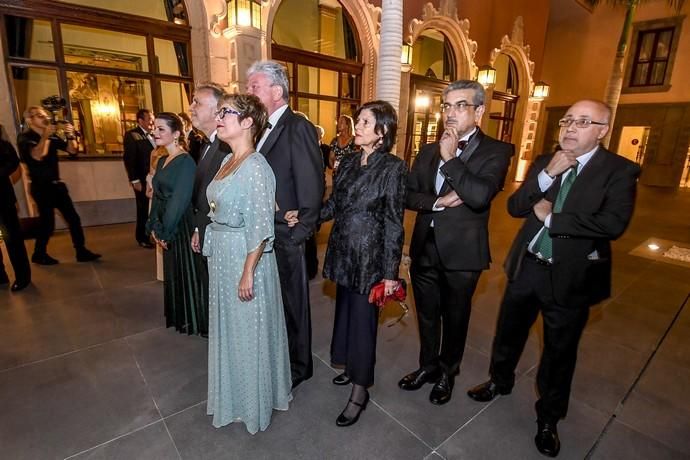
[{"x": 543, "y": 245}]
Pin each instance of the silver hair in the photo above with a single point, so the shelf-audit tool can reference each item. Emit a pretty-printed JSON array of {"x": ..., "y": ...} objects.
[
  {"x": 475, "y": 86},
  {"x": 275, "y": 72},
  {"x": 214, "y": 88}
]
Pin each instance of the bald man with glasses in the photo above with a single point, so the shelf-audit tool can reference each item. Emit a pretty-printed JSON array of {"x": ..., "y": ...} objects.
[{"x": 574, "y": 203}]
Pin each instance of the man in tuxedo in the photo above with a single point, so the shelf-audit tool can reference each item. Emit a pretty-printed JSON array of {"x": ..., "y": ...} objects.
[
  {"x": 138, "y": 144},
  {"x": 451, "y": 185},
  {"x": 211, "y": 153},
  {"x": 290, "y": 145},
  {"x": 574, "y": 202},
  {"x": 10, "y": 231},
  {"x": 38, "y": 149}
]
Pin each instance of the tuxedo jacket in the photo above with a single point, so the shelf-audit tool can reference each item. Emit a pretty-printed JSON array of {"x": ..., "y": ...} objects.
[
  {"x": 9, "y": 162},
  {"x": 597, "y": 209},
  {"x": 137, "y": 156},
  {"x": 195, "y": 144},
  {"x": 461, "y": 233},
  {"x": 292, "y": 150},
  {"x": 207, "y": 167}
]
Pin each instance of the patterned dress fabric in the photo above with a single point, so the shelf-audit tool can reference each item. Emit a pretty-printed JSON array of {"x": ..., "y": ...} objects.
[
  {"x": 248, "y": 361},
  {"x": 170, "y": 219}
]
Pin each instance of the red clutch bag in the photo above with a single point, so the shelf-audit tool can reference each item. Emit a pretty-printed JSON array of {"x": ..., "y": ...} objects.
[{"x": 378, "y": 296}]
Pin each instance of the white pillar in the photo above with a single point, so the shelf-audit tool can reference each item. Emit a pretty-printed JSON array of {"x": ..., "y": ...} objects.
[{"x": 388, "y": 81}]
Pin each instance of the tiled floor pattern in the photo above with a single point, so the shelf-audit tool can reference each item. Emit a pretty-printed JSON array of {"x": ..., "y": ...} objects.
[{"x": 88, "y": 371}]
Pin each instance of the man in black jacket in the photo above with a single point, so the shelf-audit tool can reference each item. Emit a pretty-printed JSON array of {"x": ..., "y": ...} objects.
[
  {"x": 290, "y": 145},
  {"x": 574, "y": 203},
  {"x": 38, "y": 149},
  {"x": 451, "y": 186},
  {"x": 10, "y": 231},
  {"x": 138, "y": 144},
  {"x": 211, "y": 154}
]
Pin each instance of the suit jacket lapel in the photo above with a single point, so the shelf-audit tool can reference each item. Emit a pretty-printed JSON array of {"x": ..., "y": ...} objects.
[
  {"x": 465, "y": 156},
  {"x": 580, "y": 186},
  {"x": 275, "y": 132}
]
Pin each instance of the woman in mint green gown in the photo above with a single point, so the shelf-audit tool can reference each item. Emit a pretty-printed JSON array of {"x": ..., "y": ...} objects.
[
  {"x": 169, "y": 224},
  {"x": 248, "y": 362}
]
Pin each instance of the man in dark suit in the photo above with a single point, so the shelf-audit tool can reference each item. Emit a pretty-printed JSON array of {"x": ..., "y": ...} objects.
[
  {"x": 10, "y": 231},
  {"x": 574, "y": 203},
  {"x": 211, "y": 153},
  {"x": 138, "y": 144},
  {"x": 291, "y": 147},
  {"x": 451, "y": 186}
]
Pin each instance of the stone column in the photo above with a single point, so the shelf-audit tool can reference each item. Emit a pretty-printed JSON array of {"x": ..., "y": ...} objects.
[{"x": 388, "y": 81}]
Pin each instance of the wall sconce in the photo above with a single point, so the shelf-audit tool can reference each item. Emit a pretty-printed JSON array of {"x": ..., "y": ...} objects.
[
  {"x": 486, "y": 76},
  {"x": 406, "y": 55},
  {"x": 245, "y": 13},
  {"x": 541, "y": 90}
]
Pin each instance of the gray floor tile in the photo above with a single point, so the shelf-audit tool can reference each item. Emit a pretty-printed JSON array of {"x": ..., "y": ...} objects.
[
  {"x": 306, "y": 431},
  {"x": 65, "y": 405},
  {"x": 662, "y": 295},
  {"x": 138, "y": 308},
  {"x": 176, "y": 380},
  {"x": 659, "y": 406},
  {"x": 624, "y": 442},
  {"x": 150, "y": 443},
  {"x": 505, "y": 429}
]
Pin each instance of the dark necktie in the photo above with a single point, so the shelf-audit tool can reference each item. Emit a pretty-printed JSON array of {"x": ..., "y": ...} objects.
[{"x": 543, "y": 246}]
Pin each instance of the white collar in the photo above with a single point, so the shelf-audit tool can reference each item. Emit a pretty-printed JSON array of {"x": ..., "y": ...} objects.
[{"x": 275, "y": 116}]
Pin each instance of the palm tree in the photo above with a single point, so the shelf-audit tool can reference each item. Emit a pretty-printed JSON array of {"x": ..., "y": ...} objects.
[{"x": 615, "y": 81}]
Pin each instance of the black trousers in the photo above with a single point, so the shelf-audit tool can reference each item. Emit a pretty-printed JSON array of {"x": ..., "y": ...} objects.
[
  {"x": 49, "y": 197},
  {"x": 354, "y": 335},
  {"x": 294, "y": 286},
  {"x": 142, "y": 214},
  {"x": 201, "y": 264},
  {"x": 14, "y": 242},
  {"x": 444, "y": 302},
  {"x": 527, "y": 295}
]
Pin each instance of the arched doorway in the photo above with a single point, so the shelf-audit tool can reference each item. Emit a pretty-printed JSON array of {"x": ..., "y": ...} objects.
[
  {"x": 318, "y": 43},
  {"x": 433, "y": 67},
  {"x": 504, "y": 99}
]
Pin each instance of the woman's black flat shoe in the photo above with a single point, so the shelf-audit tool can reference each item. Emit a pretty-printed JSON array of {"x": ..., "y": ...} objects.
[
  {"x": 341, "y": 379},
  {"x": 344, "y": 421}
]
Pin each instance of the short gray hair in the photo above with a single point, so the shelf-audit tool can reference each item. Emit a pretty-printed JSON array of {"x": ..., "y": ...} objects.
[
  {"x": 276, "y": 73},
  {"x": 475, "y": 86},
  {"x": 214, "y": 88}
]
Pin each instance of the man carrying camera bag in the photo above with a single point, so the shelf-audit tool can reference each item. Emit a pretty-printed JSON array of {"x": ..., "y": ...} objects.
[{"x": 38, "y": 146}]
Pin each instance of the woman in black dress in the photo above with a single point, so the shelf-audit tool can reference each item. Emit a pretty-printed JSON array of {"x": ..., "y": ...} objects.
[
  {"x": 364, "y": 247},
  {"x": 170, "y": 225}
]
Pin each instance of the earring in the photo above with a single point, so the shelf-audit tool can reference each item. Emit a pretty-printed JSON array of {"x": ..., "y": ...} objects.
[{"x": 175, "y": 141}]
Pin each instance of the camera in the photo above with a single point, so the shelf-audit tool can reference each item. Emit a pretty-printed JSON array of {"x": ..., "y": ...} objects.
[{"x": 54, "y": 105}]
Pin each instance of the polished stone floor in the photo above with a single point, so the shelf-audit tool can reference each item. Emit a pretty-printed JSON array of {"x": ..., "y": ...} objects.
[{"x": 87, "y": 369}]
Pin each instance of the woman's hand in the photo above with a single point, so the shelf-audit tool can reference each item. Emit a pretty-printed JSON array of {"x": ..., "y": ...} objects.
[
  {"x": 291, "y": 217},
  {"x": 245, "y": 290},
  {"x": 160, "y": 243},
  {"x": 389, "y": 286},
  {"x": 196, "y": 247}
]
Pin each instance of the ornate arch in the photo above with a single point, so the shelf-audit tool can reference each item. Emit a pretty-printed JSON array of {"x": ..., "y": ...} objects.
[
  {"x": 445, "y": 20},
  {"x": 365, "y": 18},
  {"x": 525, "y": 123}
]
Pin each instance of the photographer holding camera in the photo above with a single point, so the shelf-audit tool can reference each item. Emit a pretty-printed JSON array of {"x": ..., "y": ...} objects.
[{"x": 38, "y": 149}]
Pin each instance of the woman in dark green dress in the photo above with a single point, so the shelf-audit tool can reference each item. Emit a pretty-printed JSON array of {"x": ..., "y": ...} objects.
[{"x": 170, "y": 226}]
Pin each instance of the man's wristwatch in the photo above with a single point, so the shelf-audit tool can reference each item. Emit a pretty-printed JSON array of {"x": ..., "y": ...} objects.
[{"x": 547, "y": 173}]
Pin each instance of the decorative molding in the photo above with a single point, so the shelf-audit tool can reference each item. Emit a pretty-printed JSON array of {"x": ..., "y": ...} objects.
[
  {"x": 514, "y": 47},
  {"x": 445, "y": 20}
]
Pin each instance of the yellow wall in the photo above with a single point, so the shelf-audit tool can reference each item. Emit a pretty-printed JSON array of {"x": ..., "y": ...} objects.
[{"x": 581, "y": 46}]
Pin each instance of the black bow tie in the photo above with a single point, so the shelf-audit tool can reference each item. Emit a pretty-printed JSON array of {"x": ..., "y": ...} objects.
[
  {"x": 462, "y": 144},
  {"x": 269, "y": 125}
]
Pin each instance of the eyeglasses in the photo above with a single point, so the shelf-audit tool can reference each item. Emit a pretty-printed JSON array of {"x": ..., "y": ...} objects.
[
  {"x": 579, "y": 122},
  {"x": 460, "y": 106},
  {"x": 224, "y": 111}
]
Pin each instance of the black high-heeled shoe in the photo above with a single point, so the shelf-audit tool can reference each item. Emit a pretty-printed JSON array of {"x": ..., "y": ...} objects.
[
  {"x": 342, "y": 420},
  {"x": 341, "y": 379}
]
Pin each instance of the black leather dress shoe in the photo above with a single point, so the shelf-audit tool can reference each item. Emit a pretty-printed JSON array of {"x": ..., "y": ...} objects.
[
  {"x": 342, "y": 420},
  {"x": 84, "y": 255},
  {"x": 486, "y": 391},
  {"x": 341, "y": 379},
  {"x": 546, "y": 440},
  {"x": 44, "y": 259},
  {"x": 443, "y": 390},
  {"x": 416, "y": 380},
  {"x": 19, "y": 285}
]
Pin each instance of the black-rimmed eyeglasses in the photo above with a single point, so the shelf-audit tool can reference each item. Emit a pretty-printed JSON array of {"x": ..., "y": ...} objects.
[
  {"x": 224, "y": 111},
  {"x": 579, "y": 122},
  {"x": 460, "y": 106}
]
